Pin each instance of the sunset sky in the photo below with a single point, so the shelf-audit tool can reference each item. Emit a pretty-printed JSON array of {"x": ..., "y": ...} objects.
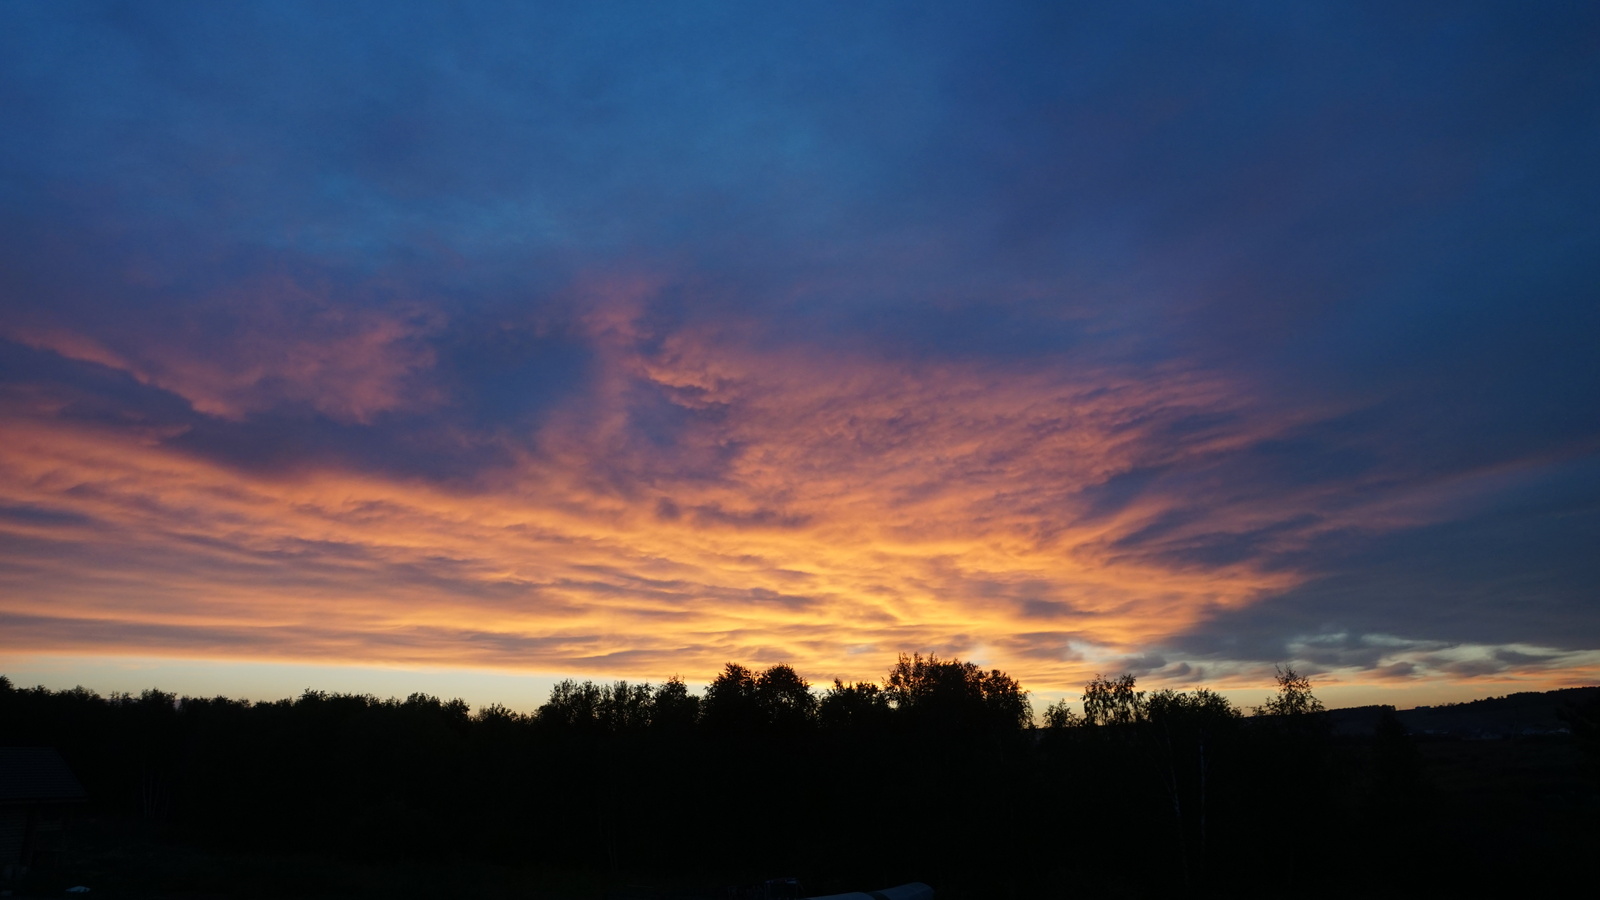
[{"x": 400, "y": 346}]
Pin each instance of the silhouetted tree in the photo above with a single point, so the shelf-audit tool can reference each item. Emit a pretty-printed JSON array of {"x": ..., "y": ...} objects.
[
  {"x": 1583, "y": 720},
  {"x": 1396, "y": 764},
  {"x": 1006, "y": 701},
  {"x": 496, "y": 716},
  {"x": 629, "y": 778},
  {"x": 626, "y": 707},
  {"x": 785, "y": 699},
  {"x": 953, "y": 693},
  {"x": 861, "y": 706},
  {"x": 1194, "y": 709},
  {"x": 1113, "y": 702},
  {"x": 1061, "y": 715},
  {"x": 730, "y": 702},
  {"x": 1293, "y": 765},
  {"x": 150, "y": 722},
  {"x": 1294, "y": 697},
  {"x": 572, "y": 705},
  {"x": 1184, "y": 731},
  {"x": 675, "y": 708}
]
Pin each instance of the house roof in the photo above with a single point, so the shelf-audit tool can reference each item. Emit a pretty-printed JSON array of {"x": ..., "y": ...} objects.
[{"x": 36, "y": 773}]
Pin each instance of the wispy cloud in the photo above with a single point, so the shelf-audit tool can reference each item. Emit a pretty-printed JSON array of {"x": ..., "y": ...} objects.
[
  {"x": 270, "y": 345},
  {"x": 701, "y": 500}
]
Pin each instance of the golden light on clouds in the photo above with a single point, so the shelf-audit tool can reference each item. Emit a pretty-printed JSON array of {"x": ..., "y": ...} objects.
[{"x": 825, "y": 510}]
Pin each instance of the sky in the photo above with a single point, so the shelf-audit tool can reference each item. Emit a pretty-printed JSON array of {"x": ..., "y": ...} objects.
[{"x": 365, "y": 346}]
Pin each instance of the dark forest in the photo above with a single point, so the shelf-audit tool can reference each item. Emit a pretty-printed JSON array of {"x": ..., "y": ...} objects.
[{"x": 938, "y": 773}]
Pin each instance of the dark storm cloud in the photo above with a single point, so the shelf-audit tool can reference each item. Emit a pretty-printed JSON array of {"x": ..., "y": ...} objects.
[
  {"x": 1519, "y": 570},
  {"x": 1308, "y": 184}
]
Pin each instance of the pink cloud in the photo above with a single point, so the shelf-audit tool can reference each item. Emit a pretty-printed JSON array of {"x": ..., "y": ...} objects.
[{"x": 280, "y": 343}]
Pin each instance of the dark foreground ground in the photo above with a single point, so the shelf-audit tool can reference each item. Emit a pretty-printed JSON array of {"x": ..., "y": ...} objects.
[{"x": 1513, "y": 814}]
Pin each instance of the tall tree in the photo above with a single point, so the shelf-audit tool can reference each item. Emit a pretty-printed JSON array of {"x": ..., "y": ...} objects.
[
  {"x": 626, "y": 707},
  {"x": 730, "y": 702},
  {"x": 1294, "y": 697},
  {"x": 1113, "y": 701},
  {"x": 675, "y": 708},
  {"x": 785, "y": 699},
  {"x": 955, "y": 693},
  {"x": 1060, "y": 714},
  {"x": 859, "y": 706},
  {"x": 572, "y": 705}
]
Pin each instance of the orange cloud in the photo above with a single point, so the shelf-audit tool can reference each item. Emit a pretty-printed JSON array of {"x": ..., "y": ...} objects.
[{"x": 709, "y": 498}]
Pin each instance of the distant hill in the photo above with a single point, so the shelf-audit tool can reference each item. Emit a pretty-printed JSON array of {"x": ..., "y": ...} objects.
[{"x": 1525, "y": 713}]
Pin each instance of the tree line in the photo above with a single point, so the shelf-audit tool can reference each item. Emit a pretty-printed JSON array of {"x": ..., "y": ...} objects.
[
  {"x": 936, "y": 773},
  {"x": 918, "y": 691}
]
